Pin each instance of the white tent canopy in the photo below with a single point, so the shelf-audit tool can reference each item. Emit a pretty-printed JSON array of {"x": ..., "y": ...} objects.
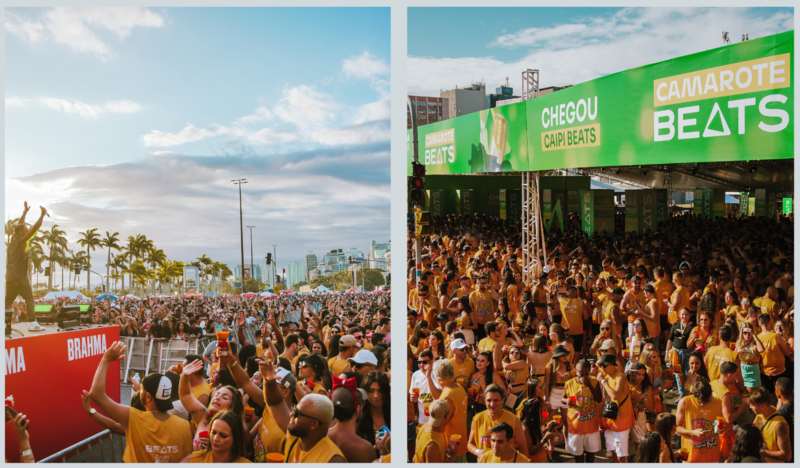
[
  {"x": 322, "y": 288},
  {"x": 53, "y": 295}
]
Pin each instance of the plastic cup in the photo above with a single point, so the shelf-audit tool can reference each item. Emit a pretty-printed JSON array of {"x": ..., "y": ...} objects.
[
  {"x": 456, "y": 438},
  {"x": 248, "y": 411},
  {"x": 720, "y": 423},
  {"x": 179, "y": 368},
  {"x": 203, "y": 434},
  {"x": 545, "y": 414},
  {"x": 275, "y": 458},
  {"x": 685, "y": 453},
  {"x": 557, "y": 419},
  {"x": 222, "y": 335},
  {"x": 415, "y": 391},
  {"x": 427, "y": 409},
  {"x": 573, "y": 401},
  {"x": 311, "y": 384}
]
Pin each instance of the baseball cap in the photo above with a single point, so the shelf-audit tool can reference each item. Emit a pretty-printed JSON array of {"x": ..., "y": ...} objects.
[
  {"x": 607, "y": 344},
  {"x": 364, "y": 357},
  {"x": 458, "y": 343},
  {"x": 286, "y": 379},
  {"x": 348, "y": 340},
  {"x": 160, "y": 388},
  {"x": 438, "y": 411}
]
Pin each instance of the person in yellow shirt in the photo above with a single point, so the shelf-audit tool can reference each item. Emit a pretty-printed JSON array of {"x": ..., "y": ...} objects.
[
  {"x": 773, "y": 364},
  {"x": 483, "y": 422},
  {"x": 582, "y": 397},
  {"x": 777, "y": 446},
  {"x": 456, "y": 397},
  {"x": 616, "y": 388},
  {"x": 200, "y": 387},
  {"x": 573, "y": 313},
  {"x": 339, "y": 364},
  {"x": 695, "y": 418},
  {"x": 151, "y": 428},
  {"x": 767, "y": 304},
  {"x": 664, "y": 289},
  {"x": 463, "y": 365},
  {"x": 305, "y": 426},
  {"x": 431, "y": 441},
  {"x": 226, "y": 439},
  {"x": 502, "y": 450}
]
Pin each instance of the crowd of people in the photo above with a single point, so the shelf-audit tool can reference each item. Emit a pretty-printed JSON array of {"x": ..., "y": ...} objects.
[
  {"x": 675, "y": 345},
  {"x": 314, "y": 387}
]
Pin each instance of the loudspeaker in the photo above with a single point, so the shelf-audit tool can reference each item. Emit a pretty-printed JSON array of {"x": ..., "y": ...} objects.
[
  {"x": 69, "y": 317},
  {"x": 9, "y": 315}
]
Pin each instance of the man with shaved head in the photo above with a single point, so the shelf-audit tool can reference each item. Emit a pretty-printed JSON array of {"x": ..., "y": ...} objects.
[{"x": 346, "y": 410}]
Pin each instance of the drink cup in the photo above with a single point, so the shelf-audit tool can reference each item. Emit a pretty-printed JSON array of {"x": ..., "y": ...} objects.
[
  {"x": 311, "y": 384},
  {"x": 685, "y": 454},
  {"x": 573, "y": 401},
  {"x": 222, "y": 335},
  {"x": 557, "y": 419},
  {"x": 415, "y": 391},
  {"x": 455, "y": 438},
  {"x": 202, "y": 434},
  {"x": 275, "y": 458},
  {"x": 545, "y": 415},
  {"x": 427, "y": 409},
  {"x": 720, "y": 424},
  {"x": 179, "y": 368}
]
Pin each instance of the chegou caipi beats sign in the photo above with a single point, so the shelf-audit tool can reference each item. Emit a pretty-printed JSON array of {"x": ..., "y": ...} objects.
[{"x": 47, "y": 374}]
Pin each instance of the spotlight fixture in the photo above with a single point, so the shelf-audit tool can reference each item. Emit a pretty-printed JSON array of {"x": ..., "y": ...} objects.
[{"x": 753, "y": 169}]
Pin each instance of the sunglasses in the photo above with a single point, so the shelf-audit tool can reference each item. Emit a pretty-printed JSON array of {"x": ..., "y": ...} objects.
[
  {"x": 424, "y": 363},
  {"x": 605, "y": 328},
  {"x": 296, "y": 414}
]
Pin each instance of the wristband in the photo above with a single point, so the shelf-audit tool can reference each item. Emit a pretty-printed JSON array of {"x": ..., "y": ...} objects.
[{"x": 29, "y": 452}]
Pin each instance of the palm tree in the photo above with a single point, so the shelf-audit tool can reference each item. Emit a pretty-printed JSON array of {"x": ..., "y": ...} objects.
[
  {"x": 156, "y": 258},
  {"x": 36, "y": 256},
  {"x": 204, "y": 265},
  {"x": 11, "y": 226},
  {"x": 111, "y": 241},
  {"x": 91, "y": 240},
  {"x": 77, "y": 260},
  {"x": 56, "y": 239}
]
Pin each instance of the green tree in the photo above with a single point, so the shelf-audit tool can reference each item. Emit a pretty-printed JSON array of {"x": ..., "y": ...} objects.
[
  {"x": 111, "y": 242},
  {"x": 91, "y": 240},
  {"x": 56, "y": 241}
]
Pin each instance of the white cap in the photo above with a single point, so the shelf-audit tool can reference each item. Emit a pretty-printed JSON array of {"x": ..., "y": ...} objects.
[
  {"x": 607, "y": 344},
  {"x": 458, "y": 343},
  {"x": 364, "y": 357}
]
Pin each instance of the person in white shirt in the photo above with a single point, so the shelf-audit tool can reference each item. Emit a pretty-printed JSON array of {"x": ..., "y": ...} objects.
[{"x": 420, "y": 380}]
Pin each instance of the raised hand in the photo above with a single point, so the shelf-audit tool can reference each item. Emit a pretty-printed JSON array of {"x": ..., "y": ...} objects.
[{"x": 192, "y": 368}]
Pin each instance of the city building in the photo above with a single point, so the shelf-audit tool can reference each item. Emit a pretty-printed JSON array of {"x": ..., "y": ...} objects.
[
  {"x": 295, "y": 273},
  {"x": 311, "y": 264},
  {"x": 502, "y": 93},
  {"x": 551, "y": 89},
  {"x": 462, "y": 101},
  {"x": 378, "y": 256},
  {"x": 333, "y": 261},
  {"x": 429, "y": 110},
  {"x": 269, "y": 273},
  {"x": 250, "y": 272}
]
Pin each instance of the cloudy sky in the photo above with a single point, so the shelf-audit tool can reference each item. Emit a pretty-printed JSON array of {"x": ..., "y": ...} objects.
[
  {"x": 456, "y": 46},
  {"x": 136, "y": 120}
]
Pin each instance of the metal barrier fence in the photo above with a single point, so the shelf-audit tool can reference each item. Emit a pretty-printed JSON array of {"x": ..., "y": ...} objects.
[
  {"x": 157, "y": 355},
  {"x": 84, "y": 451}
]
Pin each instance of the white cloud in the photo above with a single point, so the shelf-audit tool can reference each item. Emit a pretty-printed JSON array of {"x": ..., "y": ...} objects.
[
  {"x": 89, "y": 111},
  {"x": 378, "y": 110},
  {"x": 356, "y": 135},
  {"x": 306, "y": 107},
  {"x": 189, "y": 134},
  {"x": 261, "y": 114},
  {"x": 270, "y": 136},
  {"x": 596, "y": 46},
  {"x": 364, "y": 67},
  {"x": 76, "y": 27}
]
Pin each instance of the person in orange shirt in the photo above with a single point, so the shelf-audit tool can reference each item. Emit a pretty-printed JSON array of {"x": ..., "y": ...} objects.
[
  {"x": 777, "y": 446},
  {"x": 582, "y": 397},
  {"x": 695, "y": 419}
]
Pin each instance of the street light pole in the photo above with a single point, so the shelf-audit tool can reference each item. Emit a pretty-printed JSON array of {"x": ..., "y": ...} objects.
[
  {"x": 239, "y": 182},
  {"x": 275, "y": 260},
  {"x": 252, "y": 267}
]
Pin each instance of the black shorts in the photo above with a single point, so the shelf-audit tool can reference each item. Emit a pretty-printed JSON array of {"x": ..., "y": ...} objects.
[
  {"x": 411, "y": 433},
  {"x": 557, "y": 319},
  {"x": 577, "y": 343},
  {"x": 665, "y": 326},
  {"x": 595, "y": 329}
]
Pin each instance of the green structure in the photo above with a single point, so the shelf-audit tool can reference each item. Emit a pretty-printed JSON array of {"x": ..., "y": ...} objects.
[{"x": 597, "y": 211}]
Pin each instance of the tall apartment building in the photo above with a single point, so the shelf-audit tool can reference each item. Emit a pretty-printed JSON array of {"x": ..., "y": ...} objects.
[
  {"x": 311, "y": 264},
  {"x": 295, "y": 273},
  {"x": 462, "y": 101},
  {"x": 333, "y": 261},
  {"x": 378, "y": 255},
  {"x": 269, "y": 273},
  {"x": 250, "y": 271},
  {"x": 429, "y": 110}
]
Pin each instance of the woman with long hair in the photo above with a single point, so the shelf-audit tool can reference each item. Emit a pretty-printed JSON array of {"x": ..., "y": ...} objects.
[
  {"x": 559, "y": 371},
  {"x": 732, "y": 305},
  {"x": 530, "y": 416},
  {"x": 483, "y": 376},
  {"x": 319, "y": 348},
  {"x": 333, "y": 346},
  {"x": 377, "y": 409},
  {"x": 543, "y": 328},
  {"x": 667, "y": 427},
  {"x": 444, "y": 296},
  {"x": 502, "y": 308},
  {"x": 180, "y": 331},
  {"x": 648, "y": 451},
  {"x": 704, "y": 335},
  {"x": 635, "y": 342},
  {"x": 419, "y": 338},
  {"x": 749, "y": 350},
  {"x": 436, "y": 344},
  {"x": 226, "y": 441},
  {"x": 641, "y": 392},
  {"x": 748, "y": 443},
  {"x": 538, "y": 357},
  {"x": 516, "y": 375},
  {"x": 225, "y": 398},
  {"x": 559, "y": 337},
  {"x": 697, "y": 369}
]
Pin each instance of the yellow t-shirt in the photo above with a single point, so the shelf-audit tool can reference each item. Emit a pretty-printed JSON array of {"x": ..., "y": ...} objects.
[
  {"x": 774, "y": 361},
  {"x": 703, "y": 449},
  {"x": 625, "y": 419},
  {"x": 270, "y": 437},
  {"x": 337, "y": 366},
  {"x": 715, "y": 356},
  {"x": 663, "y": 291},
  {"x": 486, "y": 345},
  {"x": 770, "y": 433},
  {"x": 458, "y": 423},
  {"x": 463, "y": 371},
  {"x": 482, "y": 426},
  {"x": 152, "y": 441},
  {"x": 483, "y": 306},
  {"x": 572, "y": 311},
  {"x": 674, "y": 314},
  {"x": 322, "y": 452},
  {"x": 424, "y": 438},
  {"x": 583, "y": 418},
  {"x": 202, "y": 389},
  {"x": 490, "y": 457},
  {"x": 208, "y": 457}
]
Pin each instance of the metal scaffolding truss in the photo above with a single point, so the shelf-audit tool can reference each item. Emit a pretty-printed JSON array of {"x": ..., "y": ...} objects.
[
  {"x": 533, "y": 243},
  {"x": 530, "y": 84},
  {"x": 695, "y": 172},
  {"x": 618, "y": 178}
]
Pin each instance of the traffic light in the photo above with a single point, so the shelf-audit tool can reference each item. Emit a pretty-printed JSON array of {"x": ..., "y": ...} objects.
[
  {"x": 417, "y": 183},
  {"x": 78, "y": 270},
  {"x": 422, "y": 219},
  {"x": 410, "y": 221},
  {"x": 269, "y": 259},
  {"x": 104, "y": 288}
]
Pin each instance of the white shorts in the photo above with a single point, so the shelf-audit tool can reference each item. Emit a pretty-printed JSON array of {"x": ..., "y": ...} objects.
[
  {"x": 576, "y": 444},
  {"x": 617, "y": 442},
  {"x": 556, "y": 394}
]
